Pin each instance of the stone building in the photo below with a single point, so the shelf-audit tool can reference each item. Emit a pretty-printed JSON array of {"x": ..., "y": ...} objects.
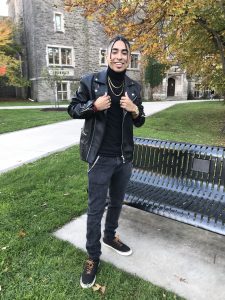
[
  {"x": 175, "y": 85},
  {"x": 58, "y": 42}
]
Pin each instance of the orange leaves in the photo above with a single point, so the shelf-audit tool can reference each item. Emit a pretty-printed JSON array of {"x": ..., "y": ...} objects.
[
  {"x": 181, "y": 29},
  {"x": 2, "y": 70}
]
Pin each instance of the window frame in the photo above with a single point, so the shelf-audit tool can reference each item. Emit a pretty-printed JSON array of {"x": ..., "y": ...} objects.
[
  {"x": 62, "y": 29},
  {"x": 138, "y": 59},
  {"x": 59, "y": 47},
  {"x": 100, "y": 57},
  {"x": 61, "y": 91}
]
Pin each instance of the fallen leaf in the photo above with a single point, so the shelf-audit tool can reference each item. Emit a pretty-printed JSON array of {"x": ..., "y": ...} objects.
[
  {"x": 22, "y": 233},
  {"x": 96, "y": 287},
  {"x": 100, "y": 288},
  {"x": 66, "y": 194},
  {"x": 181, "y": 279}
]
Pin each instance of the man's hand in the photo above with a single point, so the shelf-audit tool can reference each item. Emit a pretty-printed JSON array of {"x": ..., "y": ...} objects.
[
  {"x": 128, "y": 105},
  {"x": 103, "y": 102}
]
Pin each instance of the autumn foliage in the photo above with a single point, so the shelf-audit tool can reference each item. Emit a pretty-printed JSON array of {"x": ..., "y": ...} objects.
[
  {"x": 188, "y": 32},
  {"x": 10, "y": 65}
]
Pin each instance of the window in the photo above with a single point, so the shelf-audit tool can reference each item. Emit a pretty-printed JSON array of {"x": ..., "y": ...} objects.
[
  {"x": 58, "y": 22},
  {"x": 59, "y": 56},
  {"x": 134, "y": 64},
  {"x": 62, "y": 91},
  {"x": 66, "y": 56},
  {"x": 102, "y": 61},
  {"x": 53, "y": 56}
]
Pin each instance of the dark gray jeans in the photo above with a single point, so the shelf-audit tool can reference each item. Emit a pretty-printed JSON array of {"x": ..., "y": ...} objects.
[{"x": 106, "y": 173}]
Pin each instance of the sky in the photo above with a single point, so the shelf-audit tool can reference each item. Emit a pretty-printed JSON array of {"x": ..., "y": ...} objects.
[{"x": 3, "y": 8}]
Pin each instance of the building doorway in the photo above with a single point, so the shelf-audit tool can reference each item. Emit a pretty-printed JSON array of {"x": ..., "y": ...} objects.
[{"x": 171, "y": 87}]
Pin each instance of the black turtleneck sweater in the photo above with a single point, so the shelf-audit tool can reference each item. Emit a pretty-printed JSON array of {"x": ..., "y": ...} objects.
[{"x": 112, "y": 140}]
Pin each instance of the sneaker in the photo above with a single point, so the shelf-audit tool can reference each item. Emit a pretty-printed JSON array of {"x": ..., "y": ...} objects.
[
  {"x": 118, "y": 246},
  {"x": 88, "y": 276}
]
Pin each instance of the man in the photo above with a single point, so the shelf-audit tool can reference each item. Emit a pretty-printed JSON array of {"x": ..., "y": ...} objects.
[{"x": 110, "y": 103}]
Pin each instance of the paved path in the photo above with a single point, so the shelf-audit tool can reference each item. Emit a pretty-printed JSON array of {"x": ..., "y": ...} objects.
[{"x": 179, "y": 257}]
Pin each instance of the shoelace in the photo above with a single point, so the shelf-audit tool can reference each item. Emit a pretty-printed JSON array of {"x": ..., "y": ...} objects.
[
  {"x": 89, "y": 266},
  {"x": 117, "y": 240}
]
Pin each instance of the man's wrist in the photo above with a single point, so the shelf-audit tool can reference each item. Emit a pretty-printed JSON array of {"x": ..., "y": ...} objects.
[
  {"x": 135, "y": 112},
  {"x": 94, "y": 108}
]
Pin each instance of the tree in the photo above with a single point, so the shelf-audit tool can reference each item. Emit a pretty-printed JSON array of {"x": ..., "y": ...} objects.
[
  {"x": 10, "y": 59},
  {"x": 190, "y": 33},
  {"x": 154, "y": 73},
  {"x": 53, "y": 77}
]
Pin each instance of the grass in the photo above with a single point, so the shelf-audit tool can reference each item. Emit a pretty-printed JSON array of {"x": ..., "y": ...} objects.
[
  {"x": 36, "y": 199},
  {"x": 30, "y": 103},
  {"x": 11, "y": 120},
  {"x": 199, "y": 123}
]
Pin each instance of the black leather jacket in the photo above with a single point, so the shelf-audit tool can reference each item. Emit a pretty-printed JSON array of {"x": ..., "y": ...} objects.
[{"x": 91, "y": 87}]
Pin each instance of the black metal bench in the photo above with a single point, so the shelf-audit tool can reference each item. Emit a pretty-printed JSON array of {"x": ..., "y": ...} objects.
[{"x": 182, "y": 181}]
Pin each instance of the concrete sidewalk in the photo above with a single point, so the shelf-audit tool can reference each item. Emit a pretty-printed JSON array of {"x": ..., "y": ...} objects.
[{"x": 178, "y": 257}]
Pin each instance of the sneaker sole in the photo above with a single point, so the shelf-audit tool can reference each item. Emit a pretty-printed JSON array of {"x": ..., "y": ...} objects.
[
  {"x": 119, "y": 252},
  {"x": 88, "y": 285}
]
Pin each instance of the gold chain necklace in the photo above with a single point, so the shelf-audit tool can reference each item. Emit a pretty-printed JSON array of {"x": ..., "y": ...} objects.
[
  {"x": 115, "y": 87},
  {"x": 111, "y": 86}
]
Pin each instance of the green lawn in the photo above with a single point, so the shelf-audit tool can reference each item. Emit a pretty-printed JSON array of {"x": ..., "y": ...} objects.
[
  {"x": 200, "y": 123},
  {"x": 11, "y": 120},
  {"x": 30, "y": 103},
  {"x": 37, "y": 199}
]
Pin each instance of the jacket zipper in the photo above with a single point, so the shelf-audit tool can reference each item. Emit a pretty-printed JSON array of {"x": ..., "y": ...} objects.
[
  {"x": 91, "y": 140},
  {"x": 123, "y": 158},
  {"x": 95, "y": 162}
]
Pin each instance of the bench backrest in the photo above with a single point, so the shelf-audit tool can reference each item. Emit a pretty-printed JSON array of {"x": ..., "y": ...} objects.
[{"x": 198, "y": 163}]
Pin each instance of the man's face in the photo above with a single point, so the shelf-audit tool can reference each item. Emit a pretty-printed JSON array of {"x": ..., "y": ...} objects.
[{"x": 118, "y": 57}]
